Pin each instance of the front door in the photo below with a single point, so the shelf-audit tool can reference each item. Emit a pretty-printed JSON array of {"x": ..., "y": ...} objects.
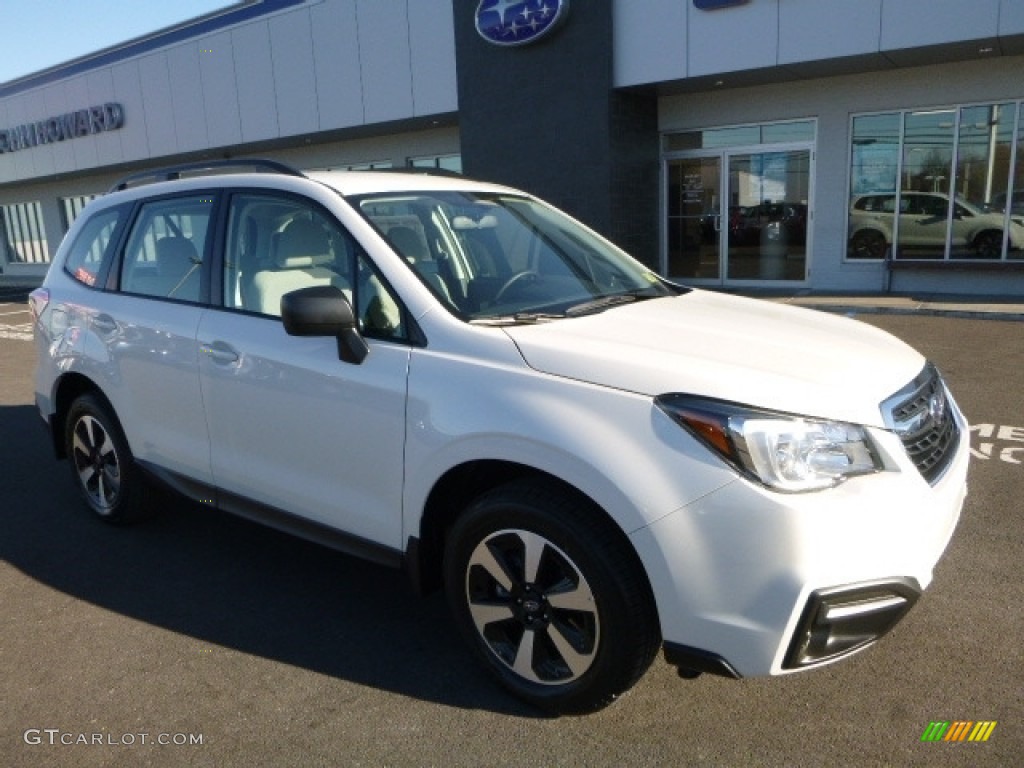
[{"x": 739, "y": 217}]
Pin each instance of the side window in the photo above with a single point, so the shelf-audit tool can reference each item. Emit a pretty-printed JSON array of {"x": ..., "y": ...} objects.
[
  {"x": 90, "y": 251},
  {"x": 164, "y": 254},
  {"x": 276, "y": 245}
]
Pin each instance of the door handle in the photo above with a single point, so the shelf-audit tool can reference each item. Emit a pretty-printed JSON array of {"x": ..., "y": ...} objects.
[
  {"x": 220, "y": 352},
  {"x": 104, "y": 324}
]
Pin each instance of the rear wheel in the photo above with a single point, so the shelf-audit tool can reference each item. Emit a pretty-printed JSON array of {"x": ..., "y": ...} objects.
[
  {"x": 551, "y": 597},
  {"x": 102, "y": 465}
]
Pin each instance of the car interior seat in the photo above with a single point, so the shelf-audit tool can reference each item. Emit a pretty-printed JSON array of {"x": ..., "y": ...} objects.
[{"x": 300, "y": 258}]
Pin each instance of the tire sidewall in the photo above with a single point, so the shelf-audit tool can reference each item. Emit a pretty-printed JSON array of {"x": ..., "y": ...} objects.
[
  {"x": 611, "y": 670},
  {"x": 127, "y": 504}
]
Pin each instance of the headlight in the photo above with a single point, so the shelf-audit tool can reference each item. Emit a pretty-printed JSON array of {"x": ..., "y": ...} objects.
[{"x": 782, "y": 451}]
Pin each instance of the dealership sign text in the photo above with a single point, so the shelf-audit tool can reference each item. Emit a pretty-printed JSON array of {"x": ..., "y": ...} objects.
[{"x": 71, "y": 125}]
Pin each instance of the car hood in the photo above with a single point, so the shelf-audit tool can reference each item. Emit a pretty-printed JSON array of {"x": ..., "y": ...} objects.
[{"x": 743, "y": 350}]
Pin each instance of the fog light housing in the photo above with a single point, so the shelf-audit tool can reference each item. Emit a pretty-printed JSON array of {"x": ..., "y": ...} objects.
[{"x": 839, "y": 621}]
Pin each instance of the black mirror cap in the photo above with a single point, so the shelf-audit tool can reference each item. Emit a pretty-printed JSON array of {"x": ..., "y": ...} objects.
[{"x": 321, "y": 310}]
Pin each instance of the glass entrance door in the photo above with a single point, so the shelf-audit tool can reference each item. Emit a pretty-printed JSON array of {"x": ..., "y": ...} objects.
[
  {"x": 768, "y": 212},
  {"x": 739, "y": 217},
  {"x": 695, "y": 218}
]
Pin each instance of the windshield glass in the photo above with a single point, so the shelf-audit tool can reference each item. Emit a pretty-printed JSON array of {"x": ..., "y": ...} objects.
[{"x": 501, "y": 258}]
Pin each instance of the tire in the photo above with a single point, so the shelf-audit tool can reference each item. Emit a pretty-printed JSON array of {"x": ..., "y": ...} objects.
[
  {"x": 868, "y": 244},
  {"x": 102, "y": 465},
  {"x": 551, "y": 597},
  {"x": 989, "y": 244}
]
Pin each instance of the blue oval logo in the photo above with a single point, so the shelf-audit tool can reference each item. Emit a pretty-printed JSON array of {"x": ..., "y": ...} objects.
[{"x": 518, "y": 22}]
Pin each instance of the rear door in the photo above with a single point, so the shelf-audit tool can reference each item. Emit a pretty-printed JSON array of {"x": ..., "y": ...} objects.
[{"x": 145, "y": 325}]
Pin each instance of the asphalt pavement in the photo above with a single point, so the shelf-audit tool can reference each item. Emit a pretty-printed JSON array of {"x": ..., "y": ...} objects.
[{"x": 200, "y": 639}]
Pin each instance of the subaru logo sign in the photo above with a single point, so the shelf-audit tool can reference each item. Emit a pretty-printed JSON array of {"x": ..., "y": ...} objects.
[
  {"x": 518, "y": 22},
  {"x": 714, "y": 5}
]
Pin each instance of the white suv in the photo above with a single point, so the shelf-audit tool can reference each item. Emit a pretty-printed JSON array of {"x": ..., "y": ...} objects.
[{"x": 455, "y": 378}]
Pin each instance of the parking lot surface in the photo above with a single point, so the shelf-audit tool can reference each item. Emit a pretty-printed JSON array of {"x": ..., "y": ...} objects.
[{"x": 200, "y": 639}]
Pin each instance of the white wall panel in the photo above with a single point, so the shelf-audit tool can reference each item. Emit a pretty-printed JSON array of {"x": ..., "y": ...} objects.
[
  {"x": 158, "y": 104},
  {"x": 339, "y": 80},
  {"x": 187, "y": 97},
  {"x": 294, "y": 74},
  {"x": 254, "y": 74},
  {"x": 384, "y": 52},
  {"x": 220, "y": 89},
  {"x": 914, "y": 23},
  {"x": 128, "y": 91},
  {"x": 813, "y": 30},
  {"x": 432, "y": 55},
  {"x": 650, "y": 41}
]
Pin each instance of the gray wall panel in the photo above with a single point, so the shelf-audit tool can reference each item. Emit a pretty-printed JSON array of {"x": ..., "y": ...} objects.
[
  {"x": 254, "y": 73},
  {"x": 187, "y": 97},
  {"x": 108, "y": 145},
  {"x": 158, "y": 103},
  {"x": 432, "y": 55},
  {"x": 22, "y": 110},
  {"x": 294, "y": 74},
  {"x": 733, "y": 39},
  {"x": 664, "y": 40},
  {"x": 128, "y": 91},
  {"x": 1011, "y": 17},
  {"x": 339, "y": 80},
  {"x": 913, "y": 23},
  {"x": 220, "y": 92},
  {"x": 384, "y": 51},
  {"x": 812, "y": 30}
]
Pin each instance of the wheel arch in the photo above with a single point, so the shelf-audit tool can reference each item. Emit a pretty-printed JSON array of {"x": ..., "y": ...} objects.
[
  {"x": 457, "y": 488},
  {"x": 69, "y": 388}
]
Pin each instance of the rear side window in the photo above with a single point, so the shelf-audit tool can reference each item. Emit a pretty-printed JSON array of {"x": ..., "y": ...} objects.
[
  {"x": 164, "y": 254},
  {"x": 91, "y": 250}
]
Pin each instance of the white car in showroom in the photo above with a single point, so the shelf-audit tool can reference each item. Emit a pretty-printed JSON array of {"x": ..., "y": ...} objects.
[
  {"x": 457, "y": 379},
  {"x": 923, "y": 220}
]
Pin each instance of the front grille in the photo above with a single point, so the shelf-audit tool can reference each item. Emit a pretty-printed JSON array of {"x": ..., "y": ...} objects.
[{"x": 922, "y": 415}]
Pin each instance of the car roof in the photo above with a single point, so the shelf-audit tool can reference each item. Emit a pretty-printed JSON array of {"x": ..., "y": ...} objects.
[
  {"x": 273, "y": 175},
  {"x": 374, "y": 182}
]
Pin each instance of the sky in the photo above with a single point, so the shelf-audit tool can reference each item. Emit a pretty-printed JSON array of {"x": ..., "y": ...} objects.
[{"x": 37, "y": 34}]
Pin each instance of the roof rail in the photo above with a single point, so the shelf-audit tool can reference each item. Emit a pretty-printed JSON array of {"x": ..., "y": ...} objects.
[{"x": 174, "y": 172}]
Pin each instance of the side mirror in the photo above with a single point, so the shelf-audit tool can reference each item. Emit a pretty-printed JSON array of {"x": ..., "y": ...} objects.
[{"x": 323, "y": 310}]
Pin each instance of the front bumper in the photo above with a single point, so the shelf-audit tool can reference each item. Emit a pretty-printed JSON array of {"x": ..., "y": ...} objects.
[{"x": 751, "y": 582}]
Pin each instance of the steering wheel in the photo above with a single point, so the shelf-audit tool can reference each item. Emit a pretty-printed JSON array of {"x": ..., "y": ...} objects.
[{"x": 516, "y": 279}]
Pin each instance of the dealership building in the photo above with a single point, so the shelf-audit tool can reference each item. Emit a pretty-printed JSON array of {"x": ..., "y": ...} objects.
[{"x": 818, "y": 145}]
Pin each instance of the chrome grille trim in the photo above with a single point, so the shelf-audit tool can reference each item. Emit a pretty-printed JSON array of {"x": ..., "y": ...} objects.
[{"x": 921, "y": 414}]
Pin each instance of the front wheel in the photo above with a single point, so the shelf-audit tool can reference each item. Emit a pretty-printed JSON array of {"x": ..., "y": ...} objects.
[
  {"x": 102, "y": 465},
  {"x": 868, "y": 244},
  {"x": 989, "y": 244},
  {"x": 551, "y": 597}
]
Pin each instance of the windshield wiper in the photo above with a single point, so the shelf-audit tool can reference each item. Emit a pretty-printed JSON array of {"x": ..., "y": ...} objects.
[
  {"x": 605, "y": 302},
  {"x": 518, "y": 318}
]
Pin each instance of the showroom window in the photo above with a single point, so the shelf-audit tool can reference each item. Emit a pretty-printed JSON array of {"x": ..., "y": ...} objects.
[
  {"x": 938, "y": 184},
  {"x": 452, "y": 163},
  {"x": 71, "y": 207},
  {"x": 24, "y": 236}
]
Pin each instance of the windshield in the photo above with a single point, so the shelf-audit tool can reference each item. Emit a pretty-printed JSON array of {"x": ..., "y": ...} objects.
[{"x": 507, "y": 259}]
